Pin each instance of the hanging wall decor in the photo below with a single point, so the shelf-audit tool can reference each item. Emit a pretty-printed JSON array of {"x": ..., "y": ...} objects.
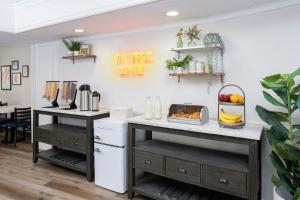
[
  {"x": 15, "y": 65},
  {"x": 6, "y": 77},
  {"x": 25, "y": 71},
  {"x": 16, "y": 78}
]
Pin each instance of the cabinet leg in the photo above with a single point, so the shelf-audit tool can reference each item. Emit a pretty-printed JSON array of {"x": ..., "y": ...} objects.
[
  {"x": 35, "y": 147},
  {"x": 131, "y": 170},
  {"x": 254, "y": 170},
  {"x": 130, "y": 194}
]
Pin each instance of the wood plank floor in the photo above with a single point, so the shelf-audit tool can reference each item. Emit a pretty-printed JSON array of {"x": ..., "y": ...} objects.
[{"x": 21, "y": 179}]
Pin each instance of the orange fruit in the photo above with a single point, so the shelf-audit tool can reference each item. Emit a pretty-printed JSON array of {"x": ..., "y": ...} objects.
[
  {"x": 234, "y": 98},
  {"x": 241, "y": 98}
]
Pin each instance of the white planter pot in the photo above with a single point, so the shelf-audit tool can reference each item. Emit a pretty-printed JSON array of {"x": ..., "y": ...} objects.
[
  {"x": 185, "y": 70},
  {"x": 278, "y": 195},
  {"x": 179, "y": 70},
  {"x": 70, "y": 53},
  {"x": 192, "y": 67},
  {"x": 76, "y": 53}
]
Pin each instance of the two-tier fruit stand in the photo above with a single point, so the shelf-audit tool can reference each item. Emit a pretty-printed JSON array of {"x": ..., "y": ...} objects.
[{"x": 221, "y": 104}]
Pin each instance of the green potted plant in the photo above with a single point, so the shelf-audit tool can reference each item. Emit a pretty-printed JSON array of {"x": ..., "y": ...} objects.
[
  {"x": 180, "y": 66},
  {"x": 179, "y": 38},
  {"x": 283, "y": 134},
  {"x": 73, "y": 47},
  {"x": 193, "y": 34}
]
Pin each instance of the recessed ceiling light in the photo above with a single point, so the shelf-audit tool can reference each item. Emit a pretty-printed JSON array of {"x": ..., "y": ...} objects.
[
  {"x": 78, "y": 30},
  {"x": 172, "y": 13}
]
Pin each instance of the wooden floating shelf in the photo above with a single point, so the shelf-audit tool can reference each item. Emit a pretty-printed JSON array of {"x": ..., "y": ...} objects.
[
  {"x": 198, "y": 74},
  {"x": 80, "y": 57},
  {"x": 216, "y": 74},
  {"x": 195, "y": 48}
]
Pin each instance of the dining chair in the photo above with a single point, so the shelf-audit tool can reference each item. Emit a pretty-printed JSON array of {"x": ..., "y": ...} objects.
[{"x": 22, "y": 119}]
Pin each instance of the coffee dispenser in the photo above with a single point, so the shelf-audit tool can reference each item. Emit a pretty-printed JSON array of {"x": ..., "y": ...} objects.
[{"x": 95, "y": 101}]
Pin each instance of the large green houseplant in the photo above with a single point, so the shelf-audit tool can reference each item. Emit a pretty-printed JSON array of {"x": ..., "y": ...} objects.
[{"x": 283, "y": 131}]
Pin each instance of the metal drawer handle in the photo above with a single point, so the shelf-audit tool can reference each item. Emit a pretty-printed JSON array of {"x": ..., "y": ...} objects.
[
  {"x": 148, "y": 162},
  {"x": 97, "y": 137},
  {"x": 182, "y": 170},
  {"x": 75, "y": 143},
  {"x": 97, "y": 150},
  {"x": 43, "y": 137},
  {"x": 58, "y": 140},
  {"x": 224, "y": 181}
]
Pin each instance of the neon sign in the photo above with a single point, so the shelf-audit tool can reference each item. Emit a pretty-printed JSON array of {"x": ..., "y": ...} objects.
[{"x": 133, "y": 63}]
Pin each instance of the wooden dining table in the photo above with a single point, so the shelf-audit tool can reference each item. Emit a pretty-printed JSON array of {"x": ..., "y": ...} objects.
[{"x": 10, "y": 110}]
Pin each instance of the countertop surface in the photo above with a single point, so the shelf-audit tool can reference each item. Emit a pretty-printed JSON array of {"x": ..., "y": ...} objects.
[
  {"x": 249, "y": 131},
  {"x": 74, "y": 111}
]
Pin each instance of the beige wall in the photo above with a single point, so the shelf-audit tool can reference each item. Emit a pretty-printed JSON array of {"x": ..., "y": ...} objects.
[{"x": 20, "y": 94}]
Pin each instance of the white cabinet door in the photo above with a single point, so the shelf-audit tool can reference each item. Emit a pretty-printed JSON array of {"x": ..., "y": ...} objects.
[{"x": 110, "y": 167}]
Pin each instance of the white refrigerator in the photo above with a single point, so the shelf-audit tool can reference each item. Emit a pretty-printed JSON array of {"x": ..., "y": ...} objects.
[{"x": 110, "y": 141}]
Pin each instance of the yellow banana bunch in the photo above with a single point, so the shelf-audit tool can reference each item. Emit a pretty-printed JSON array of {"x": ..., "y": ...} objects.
[{"x": 229, "y": 118}]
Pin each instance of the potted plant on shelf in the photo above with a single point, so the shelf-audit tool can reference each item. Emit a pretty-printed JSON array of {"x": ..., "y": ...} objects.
[
  {"x": 180, "y": 66},
  {"x": 73, "y": 47},
  {"x": 179, "y": 38},
  {"x": 283, "y": 133},
  {"x": 193, "y": 33}
]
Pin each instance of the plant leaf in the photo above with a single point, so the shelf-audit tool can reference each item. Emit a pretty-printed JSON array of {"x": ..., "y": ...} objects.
[
  {"x": 296, "y": 89},
  {"x": 272, "y": 100},
  {"x": 294, "y": 74},
  {"x": 273, "y": 78},
  {"x": 271, "y": 85},
  {"x": 280, "y": 116},
  {"x": 287, "y": 151},
  {"x": 274, "y": 137},
  {"x": 277, "y": 163},
  {"x": 298, "y": 102},
  {"x": 297, "y": 132},
  {"x": 267, "y": 117},
  {"x": 282, "y": 93}
]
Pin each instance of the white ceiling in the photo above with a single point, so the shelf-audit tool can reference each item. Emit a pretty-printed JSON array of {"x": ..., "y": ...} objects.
[
  {"x": 10, "y": 3},
  {"x": 138, "y": 17}
]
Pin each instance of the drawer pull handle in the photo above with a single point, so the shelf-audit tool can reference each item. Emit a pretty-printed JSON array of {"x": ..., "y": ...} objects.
[
  {"x": 43, "y": 137},
  {"x": 58, "y": 140},
  {"x": 75, "y": 143},
  {"x": 148, "y": 162},
  {"x": 97, "y": 150},
  {"x": 224, "y": 181},
  {"x": 97, "y": 137},
  {"x": 182, "y": 170}
]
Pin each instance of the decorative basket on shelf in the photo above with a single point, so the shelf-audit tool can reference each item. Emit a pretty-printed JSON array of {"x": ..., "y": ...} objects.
[{"x": 228, "y": 120}]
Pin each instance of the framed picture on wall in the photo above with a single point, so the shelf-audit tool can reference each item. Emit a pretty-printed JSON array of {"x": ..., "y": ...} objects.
[
  {"x": 16, "y": 78},
  {"x": 15, "y": 65},
  {"x": 25, "y": 71},
  {"x": 6, "y": 77}
]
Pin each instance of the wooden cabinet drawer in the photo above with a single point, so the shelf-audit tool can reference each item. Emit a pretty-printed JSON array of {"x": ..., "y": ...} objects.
[
  {"x": 148, "y": 161},
  {"x": 183, "y": 170},
  {"x": 43, "y": 137},
  {"x": 77, "y": 143},
  {"x": 58, "y": 140},
  {"x": 225, "y": 180}
]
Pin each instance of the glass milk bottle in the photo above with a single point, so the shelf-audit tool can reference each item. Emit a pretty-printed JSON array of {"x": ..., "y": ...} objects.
[
  {"x": 148, "y": 109},
  {"x": 157, "y": 108}
]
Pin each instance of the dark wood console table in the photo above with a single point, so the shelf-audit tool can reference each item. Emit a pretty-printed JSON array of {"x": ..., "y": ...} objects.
[
  {"x": 176, "y": 171},
  {"x": 73, "y": 146}
]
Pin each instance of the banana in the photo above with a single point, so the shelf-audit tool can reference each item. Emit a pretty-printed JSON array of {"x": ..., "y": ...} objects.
[
  {"x": 230, "y": 117},
  {"x": 222, "y": 119}
]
